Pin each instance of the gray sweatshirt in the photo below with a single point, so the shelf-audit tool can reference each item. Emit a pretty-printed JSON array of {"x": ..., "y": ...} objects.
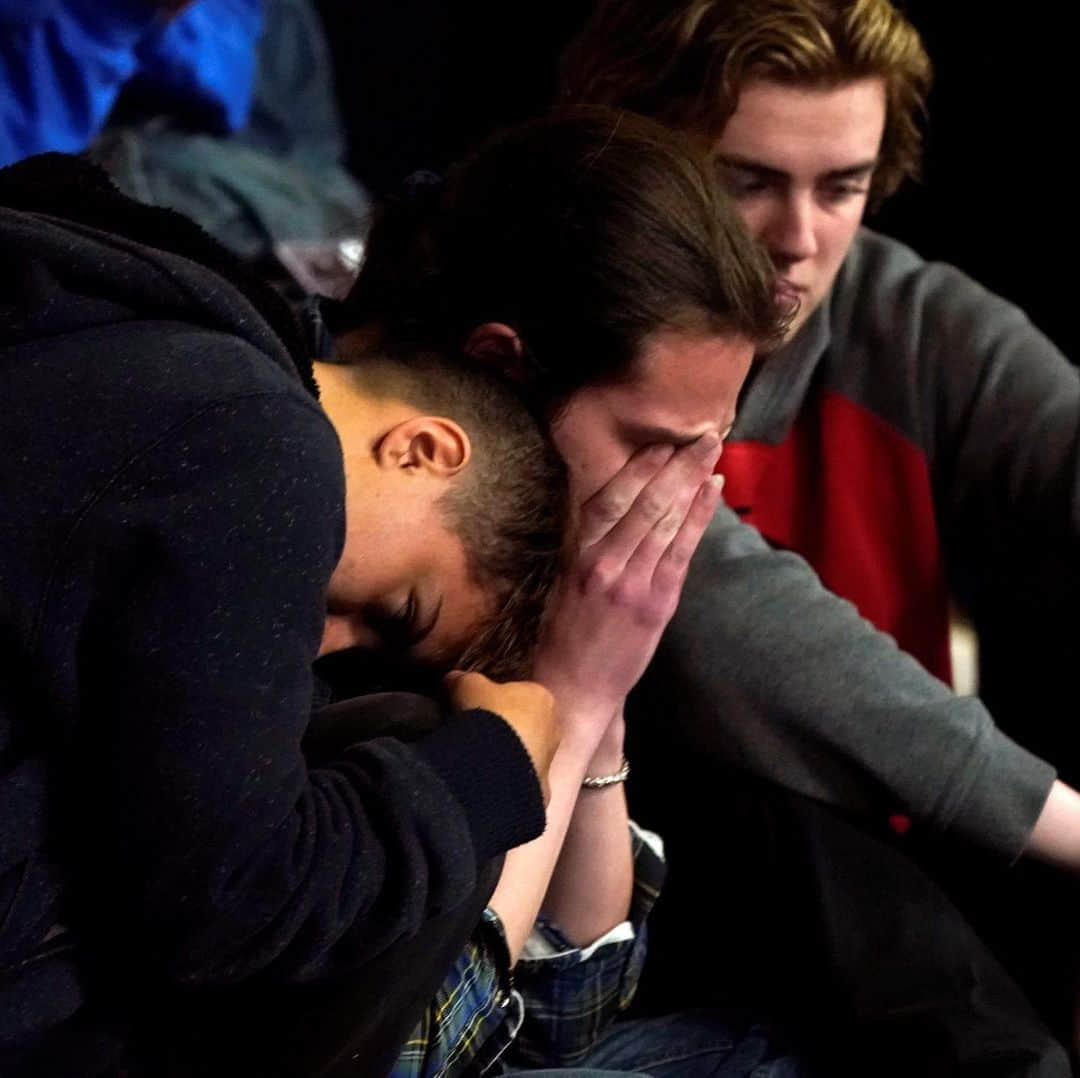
[{"x": 770, "y": 671}]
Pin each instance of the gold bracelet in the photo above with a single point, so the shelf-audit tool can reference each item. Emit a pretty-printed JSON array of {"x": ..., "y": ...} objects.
[{"x": 598, "y": 782}]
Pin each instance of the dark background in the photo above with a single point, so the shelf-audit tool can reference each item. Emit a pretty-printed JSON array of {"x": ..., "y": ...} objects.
[{"x": 421, "y": 81}]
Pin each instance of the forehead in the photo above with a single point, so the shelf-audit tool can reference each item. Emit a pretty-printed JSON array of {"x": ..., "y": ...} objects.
[
  {"x": 682, "y": 385},
  {"x": 800, "y": 129}
]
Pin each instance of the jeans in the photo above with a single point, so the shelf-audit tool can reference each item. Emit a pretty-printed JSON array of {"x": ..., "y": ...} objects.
[{"x": 690, "y": 1044}]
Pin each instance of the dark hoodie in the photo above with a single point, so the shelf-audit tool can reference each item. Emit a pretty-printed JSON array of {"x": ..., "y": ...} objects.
[{"x": 172, "y": 499}]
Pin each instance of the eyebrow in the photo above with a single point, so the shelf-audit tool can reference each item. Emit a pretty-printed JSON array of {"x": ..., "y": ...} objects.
[
  {"x": 650, "y": 435},
  {"x": 849, "y": 172},
  {"x": 660, "y": 435}
]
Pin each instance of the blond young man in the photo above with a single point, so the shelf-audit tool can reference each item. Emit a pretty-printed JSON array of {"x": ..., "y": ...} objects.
[{"x": 915, "y": 438}]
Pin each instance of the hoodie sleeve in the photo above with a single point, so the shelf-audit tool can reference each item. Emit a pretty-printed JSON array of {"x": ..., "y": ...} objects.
[
  {"x": 1003, "y": 406},
  {"x": 225, "y": 855},
  {"x": 765, "y": 668}
]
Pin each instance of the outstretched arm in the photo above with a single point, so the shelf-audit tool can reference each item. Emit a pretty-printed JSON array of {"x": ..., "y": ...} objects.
[{"x": 766, "y": 669}]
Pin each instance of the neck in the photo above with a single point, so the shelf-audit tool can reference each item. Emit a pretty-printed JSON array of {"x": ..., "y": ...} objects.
[{"x": 345, "y": 405}]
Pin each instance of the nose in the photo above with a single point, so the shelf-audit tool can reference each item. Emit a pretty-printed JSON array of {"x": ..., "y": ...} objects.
[{"x": 789, "y": 235}]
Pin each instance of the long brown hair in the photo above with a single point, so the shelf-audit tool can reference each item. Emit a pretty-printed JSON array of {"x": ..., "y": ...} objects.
[{"x": 586, "y": 231}]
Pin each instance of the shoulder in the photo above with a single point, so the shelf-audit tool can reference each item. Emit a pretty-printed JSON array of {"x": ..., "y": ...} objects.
[
  {"x": 909, "y": 336},
  {"x": 886, "y": 287},
  {"x": 212, "y": 400},
  {"x": 142, "y": 376},
  {"x": 158, "y": 405}
]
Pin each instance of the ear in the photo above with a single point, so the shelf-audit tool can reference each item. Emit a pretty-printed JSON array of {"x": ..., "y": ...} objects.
[
  {"x": 425, "y": 445},
  {"x": 498, "y": 345}
]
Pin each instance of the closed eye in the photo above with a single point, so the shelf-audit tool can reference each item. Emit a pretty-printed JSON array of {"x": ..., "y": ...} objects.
[
  {"x": 396, "y": 629},
  {"x": 404, "y": 628}
]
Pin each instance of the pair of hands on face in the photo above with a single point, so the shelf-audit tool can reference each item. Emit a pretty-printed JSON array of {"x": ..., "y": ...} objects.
[{"x": 636, "y": 539}]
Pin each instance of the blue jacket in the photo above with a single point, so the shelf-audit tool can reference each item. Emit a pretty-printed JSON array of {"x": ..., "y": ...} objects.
[{"x": 63, "y": 64}]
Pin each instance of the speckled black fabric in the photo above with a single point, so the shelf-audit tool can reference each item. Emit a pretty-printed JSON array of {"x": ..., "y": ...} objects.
[{"x": 172, "y": 500}]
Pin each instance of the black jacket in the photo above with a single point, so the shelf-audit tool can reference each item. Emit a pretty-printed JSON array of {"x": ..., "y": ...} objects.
[{"x": 171, "y": 498}]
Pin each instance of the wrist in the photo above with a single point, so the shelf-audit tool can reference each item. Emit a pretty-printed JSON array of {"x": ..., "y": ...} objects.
[
  {"x": 584, "y": 721},
  {"x": 605, "y": 760},
  {"x": 576, "y": 701},
  {"x": 610, "y": 751},
  {"x": 580, "y": 744},
  {"x": 1056, "y": 836}
]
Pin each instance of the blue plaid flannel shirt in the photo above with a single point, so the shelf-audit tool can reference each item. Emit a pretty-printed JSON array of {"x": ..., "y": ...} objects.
[{"x": 551, "y": 1009}]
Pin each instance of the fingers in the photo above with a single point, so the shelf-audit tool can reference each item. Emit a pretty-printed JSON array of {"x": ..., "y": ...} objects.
[
  {"x": 658, "y": 567},
  {"x": 672, "y": 566},
  {"x": 611, "y": 503},
  {"x": 658, "y": 510}
]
